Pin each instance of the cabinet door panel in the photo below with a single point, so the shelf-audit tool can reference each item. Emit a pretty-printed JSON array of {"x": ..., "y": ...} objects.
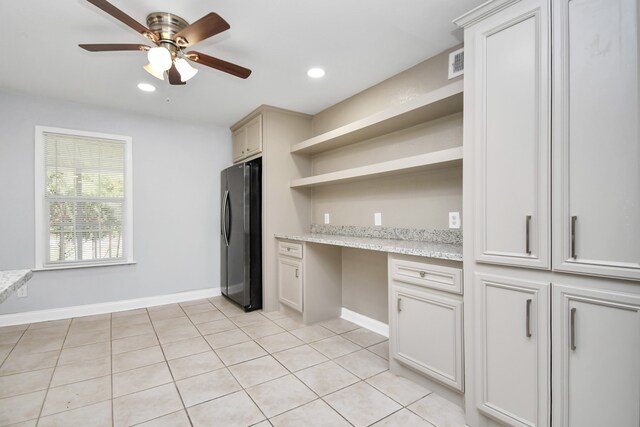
[
  {"x": 254, "y": 136},
  {"x": 512, "y": 318},
  {"x": 512, "y": 151},
  {"x": 290, "y": 282},
  {"x": 427, "y": 334},
  {"x": 239, "y": 142},
  {"x": 598, "y": 149},
  {"x": 596, "y": 358}
]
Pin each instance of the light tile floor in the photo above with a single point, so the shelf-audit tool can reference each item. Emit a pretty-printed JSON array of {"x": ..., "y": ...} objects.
[{"x": 206, "y": 363}]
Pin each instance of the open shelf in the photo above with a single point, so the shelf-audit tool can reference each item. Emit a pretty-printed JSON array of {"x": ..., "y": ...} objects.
[
  {"x": 434, "y": 160},
  {"x": 430, "y": 106}
]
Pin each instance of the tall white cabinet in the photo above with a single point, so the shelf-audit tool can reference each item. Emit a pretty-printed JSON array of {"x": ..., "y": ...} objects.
[{"x": 552, "y": 320}]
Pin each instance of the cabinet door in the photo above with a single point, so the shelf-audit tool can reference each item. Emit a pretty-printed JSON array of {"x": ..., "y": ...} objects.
[
  {"x": 596, "y": 138},
  {"x": 239, "y": 143},
  {"x": 512, "y": 336},
  {"x": 596, "y": 358},
  {"x": 254, "y": 136},
  {"x": 426, "y": 334},
  {"x": 290, "y": 282},
  {"x": 510, "y": 106}
]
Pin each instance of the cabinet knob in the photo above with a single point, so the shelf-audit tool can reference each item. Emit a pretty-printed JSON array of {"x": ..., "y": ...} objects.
[{"x": 422, "y": 274}]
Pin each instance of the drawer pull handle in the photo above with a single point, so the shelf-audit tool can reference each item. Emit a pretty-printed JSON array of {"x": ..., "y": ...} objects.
[
  {"x": 527, "y": 233},
  {"x": 297, "y": 273},
  {"x": 573, "y": 329},
  {"x": 399, "y": 305},
  {"x": 573, "y": 237},
  {"x": 422, "y": 274},
  {"x": 528, "y": 318}
]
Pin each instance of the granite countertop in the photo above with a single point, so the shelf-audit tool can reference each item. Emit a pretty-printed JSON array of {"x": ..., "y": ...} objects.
[
  {"x": 428, "y": 249},
  {"x": 11, "y": 280}
]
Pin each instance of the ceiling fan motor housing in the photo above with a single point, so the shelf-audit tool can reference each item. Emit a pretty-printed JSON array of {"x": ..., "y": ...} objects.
[{"x": 166, "y": 26}]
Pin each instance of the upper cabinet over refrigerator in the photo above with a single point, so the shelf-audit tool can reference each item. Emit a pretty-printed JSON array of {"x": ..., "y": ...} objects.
[
  {"x": 596, "y": 145},
  {"x": 508, "y": 74}
]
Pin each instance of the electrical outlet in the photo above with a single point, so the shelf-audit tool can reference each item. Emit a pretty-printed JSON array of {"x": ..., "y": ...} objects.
[
  {"x": 326, "y": 218},
  {"x": 454, "y": 219},
  {"x": 22, "y": 291},
  {"x": 377, "y": 218}
]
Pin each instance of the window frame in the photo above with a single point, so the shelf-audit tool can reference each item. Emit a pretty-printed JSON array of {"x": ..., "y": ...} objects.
[{"x": 42, "y": 225}]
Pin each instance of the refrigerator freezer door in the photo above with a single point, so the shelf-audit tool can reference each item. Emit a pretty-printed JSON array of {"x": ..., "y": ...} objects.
[
  {"x": 237, "y": 233},
  {"x": 223, "y": 233}
]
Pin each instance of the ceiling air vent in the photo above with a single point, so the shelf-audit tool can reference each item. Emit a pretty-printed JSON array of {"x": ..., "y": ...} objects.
[{"x": 456, "y": 63}]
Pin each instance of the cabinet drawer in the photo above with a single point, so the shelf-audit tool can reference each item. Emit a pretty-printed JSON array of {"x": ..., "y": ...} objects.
[
  {"x": 290, "y": 249},
  {"x": 429, "y": 276}
]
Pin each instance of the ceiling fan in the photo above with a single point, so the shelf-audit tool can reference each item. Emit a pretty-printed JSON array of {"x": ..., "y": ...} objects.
[{"x": 171, "y": 36}]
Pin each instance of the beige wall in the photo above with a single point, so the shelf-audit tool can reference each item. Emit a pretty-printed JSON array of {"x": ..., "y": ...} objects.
[{"x": 364, "y": 283}]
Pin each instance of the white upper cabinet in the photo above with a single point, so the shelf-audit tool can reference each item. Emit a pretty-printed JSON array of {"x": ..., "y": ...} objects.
[
  {"x": 247, "y": 140},
  {"x": 596, "y": 138},
  {"x": 507, "y": 58}
]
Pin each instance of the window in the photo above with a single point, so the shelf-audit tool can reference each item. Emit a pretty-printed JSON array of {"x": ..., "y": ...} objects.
[{"x": 83, "y": 199}]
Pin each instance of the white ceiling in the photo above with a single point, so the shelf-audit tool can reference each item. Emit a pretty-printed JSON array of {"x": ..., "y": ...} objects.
[{"x": 358, "y": 42}]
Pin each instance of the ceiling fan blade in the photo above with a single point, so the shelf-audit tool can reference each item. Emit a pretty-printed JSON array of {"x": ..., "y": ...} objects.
[
  {"x": 219, "y": 64},
  {"x": 113, "y": 47},
  {"x": 174, "y": 76},
  {"x": 205, "y": 27},
  {"x": 124, "y": 18}
]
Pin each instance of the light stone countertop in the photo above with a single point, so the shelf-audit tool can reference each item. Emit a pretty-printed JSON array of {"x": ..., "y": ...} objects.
[
  {"x": 448, "y": 251},
  {"x": 11, "y": 280}
]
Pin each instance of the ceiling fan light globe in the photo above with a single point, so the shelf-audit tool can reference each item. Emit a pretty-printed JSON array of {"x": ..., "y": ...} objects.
[
  {"x": 185, "y": 69},
  {"x": 160, "y": 58},
  {"x": 158, "y": 74}
]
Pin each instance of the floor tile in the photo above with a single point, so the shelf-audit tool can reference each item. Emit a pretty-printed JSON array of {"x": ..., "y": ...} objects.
[
  {"x": 258, "y": 371},
  {"x": 208, "y": 386},
  {"x": 363, "y": 363},
  {"x": 207, "y": 316},
  {"x": 80, "y": 371},
  {"x": 339, "y": 325},
  {"x": 233, "y": 410},
  {"x": 49, "y": 324},
  {"x": 194, "y": 365},
  {"x": 312, "y": 333},
  {"x": 260, "y": 330},
  {"x": 58, "y": 331},
  {"x": 194, "y": 302},
  {"x": 326, "y": 378},
  {"x": 335, "y": 346},
  {"x": 25, "y": 382},
  {"x": 84, "y": 352},
  {"x": 264, "y": 423},
  {"x": 5, "y": 349},
  {"x": 167, "y": 312},
  {"x": 381, "y": 349},
  {"x": 231, "y": 310},
  {"x": 177, "y": 334},
  {"x": 96, "y": 415},
  {"x": 216, "y": 326},
  {"x": 127, "y": 313},
  {"x": 76, "y": 395},
  {"x": 91, "y": 318},
  {"x": 197, "y": 308},
  {"x": 280, "y": 395},
  {"x": 400, "y": 389},
  {"x": 89, "y": 325},
  {"x": 275, "y": 315},
  {"x": 145, "y": 405},
  {"x": 21, "y": 363},
  {"x": 289, "y": 324},
  {"x": 10, "y": 337},
  {"x": 438, "y": 411},
  {"x": 361, "y": 404},
  {"x": 30, "y": 423},
  {"x": 132, "y": 330},
  {"x": 177, "y": 349},
  {"x": 134, "y": 319},
  {"x": 141, "y": 379},
  {"x": 404, "y": 418},
  {"x": 175, "y": 419},
  {"x": 38, "y": 345},
  {"x": 298, "y": 358},
  {"x": 240, "y": 353},
  {"x": 138, "y": 342},
  {"x": 279, "y": 342},
  {"x": 227, "y": 338},
  {"x": 24, "y": 407},
  {"x": 13, "y": 328},
  {"x": 364, "y": 337},
  {"x": 85, "y": 338},
  {"x": 313, "y": 414},
  {"x": 252, "y": 318},
  {"x": 136, "y": 359},
  {"x": 169, "y": 324}
]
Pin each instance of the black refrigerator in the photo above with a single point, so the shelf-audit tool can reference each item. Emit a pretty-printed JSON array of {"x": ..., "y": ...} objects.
[{"x": 241, "y": 234}]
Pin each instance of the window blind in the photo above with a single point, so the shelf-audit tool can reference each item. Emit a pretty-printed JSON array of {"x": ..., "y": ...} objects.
[{"x": 84, "y": 198}]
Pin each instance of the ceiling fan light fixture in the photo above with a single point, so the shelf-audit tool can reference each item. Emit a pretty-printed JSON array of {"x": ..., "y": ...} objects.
[
  {"x": 158, "y": 74},
  {"x": 160, "y": 58},
  {"x": 185, "y": 69}
]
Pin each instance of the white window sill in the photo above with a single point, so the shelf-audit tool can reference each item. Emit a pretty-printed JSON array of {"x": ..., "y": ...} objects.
[{"x": 87, "y": 265}]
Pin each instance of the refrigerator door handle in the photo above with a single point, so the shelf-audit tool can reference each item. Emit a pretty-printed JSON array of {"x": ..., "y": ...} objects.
[{"x": 225, "y": 200}]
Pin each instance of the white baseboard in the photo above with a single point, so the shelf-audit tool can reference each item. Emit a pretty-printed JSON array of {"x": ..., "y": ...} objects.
[
  {"x": 366, "y": 322},
  {"x": 106, "y": 307}
]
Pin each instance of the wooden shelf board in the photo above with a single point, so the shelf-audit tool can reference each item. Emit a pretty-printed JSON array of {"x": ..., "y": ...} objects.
[
  {"x": 430, "y": 106},
  {"x": 434, "y": 160}
]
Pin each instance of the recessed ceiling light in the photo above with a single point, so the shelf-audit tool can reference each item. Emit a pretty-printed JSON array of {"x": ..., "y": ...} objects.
[
  {"x": 146, "y": 87},
  {"x": 315, "y": 73}
]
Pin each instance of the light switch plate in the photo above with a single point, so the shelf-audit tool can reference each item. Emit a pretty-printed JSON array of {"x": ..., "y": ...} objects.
[
  {"x": 326, "y": 218},
  {"x": 454, "y": 219},
  {"x": 377, "y": 218},
  {"x": 22, "y": 291}
]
